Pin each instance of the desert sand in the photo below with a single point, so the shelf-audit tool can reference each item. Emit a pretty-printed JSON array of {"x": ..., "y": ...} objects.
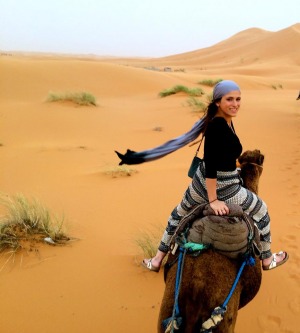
[{"x": 60, "y": 153}]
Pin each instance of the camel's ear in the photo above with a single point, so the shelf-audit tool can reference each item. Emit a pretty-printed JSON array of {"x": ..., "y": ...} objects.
[
  {"x": 261, "y": 159},
  {"x": 241, "y": 158}
]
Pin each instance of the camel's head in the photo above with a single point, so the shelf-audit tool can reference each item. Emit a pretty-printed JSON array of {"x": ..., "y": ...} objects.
[
  {"x": 251, "y": 164},
  {"x": 254, "y": 157}
]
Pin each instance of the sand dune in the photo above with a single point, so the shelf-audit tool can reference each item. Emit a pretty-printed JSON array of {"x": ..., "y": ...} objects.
[
  {"x": 59, "y": 153},
  {"x": 251, "y": 45}
]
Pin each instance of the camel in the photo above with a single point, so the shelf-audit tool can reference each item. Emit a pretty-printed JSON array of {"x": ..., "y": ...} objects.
[{"x": 208, "y": 278}]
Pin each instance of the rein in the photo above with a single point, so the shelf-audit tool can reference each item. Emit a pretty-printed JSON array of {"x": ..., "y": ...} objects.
[
  {"x": 173, "y": 323},
  {"x": 219, "y": 312},
  {"x": 255, "y": 164}
]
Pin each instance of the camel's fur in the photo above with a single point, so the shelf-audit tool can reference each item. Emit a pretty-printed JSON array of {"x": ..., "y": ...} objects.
[
  {"x": 251, "y": 169},
  {"x": 207, "y": 278}
]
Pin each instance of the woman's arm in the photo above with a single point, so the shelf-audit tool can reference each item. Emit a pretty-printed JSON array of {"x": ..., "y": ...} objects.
[
  {"x": 211, "y": 185},
  {"x": 214, "y": 152},
  {"x": 219, "y": 207}
]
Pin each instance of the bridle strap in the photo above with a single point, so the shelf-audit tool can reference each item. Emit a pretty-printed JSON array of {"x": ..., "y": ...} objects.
[{"x": 260, "y": 166}]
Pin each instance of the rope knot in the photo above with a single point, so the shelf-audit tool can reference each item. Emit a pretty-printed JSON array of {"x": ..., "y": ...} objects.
[
  {"x": 172, "y": 324},
  {"x": 250, "y": 261},
  {"x": 214, "y": 320}
]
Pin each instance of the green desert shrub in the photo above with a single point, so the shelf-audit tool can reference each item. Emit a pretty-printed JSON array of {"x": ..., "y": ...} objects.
[
  {"x": 26, "y": 223},
  {"x": 80, "y": 98},
  {"x": 209, "y": 98},
  {"x": 180, "y": 88},
  {"x": 209, "y": 82},
  {"x": 196, "y": 104},
  {"x": 148, "y": 240}
]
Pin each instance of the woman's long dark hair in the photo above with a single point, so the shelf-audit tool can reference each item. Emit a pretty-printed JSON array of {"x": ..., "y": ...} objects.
[{"x": 210, "y": 113}]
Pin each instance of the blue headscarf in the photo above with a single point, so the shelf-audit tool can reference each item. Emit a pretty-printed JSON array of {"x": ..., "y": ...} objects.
[
  {"x": 131, "y": 157},
  {"x": 224, "y": 87}
]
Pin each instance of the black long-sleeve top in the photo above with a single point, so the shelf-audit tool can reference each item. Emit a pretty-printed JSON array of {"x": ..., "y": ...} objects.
[{"x": 222, "y": 147}]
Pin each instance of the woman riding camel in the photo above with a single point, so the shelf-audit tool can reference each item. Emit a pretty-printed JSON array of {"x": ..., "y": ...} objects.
[{"x": 217, "y": 181}]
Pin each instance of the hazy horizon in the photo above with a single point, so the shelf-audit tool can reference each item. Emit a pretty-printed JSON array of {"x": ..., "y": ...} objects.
[{"x": 132, "y": 27}]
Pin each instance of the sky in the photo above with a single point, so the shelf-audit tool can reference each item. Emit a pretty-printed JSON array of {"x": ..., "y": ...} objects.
[{"x": 139, "y": 28}]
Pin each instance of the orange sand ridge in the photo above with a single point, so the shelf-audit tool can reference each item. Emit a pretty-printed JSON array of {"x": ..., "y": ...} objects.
[{"x": 59, "y": 153}]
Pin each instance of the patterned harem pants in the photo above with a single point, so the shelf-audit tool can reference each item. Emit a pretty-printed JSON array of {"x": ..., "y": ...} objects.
[{"x": 230, "y": 190}]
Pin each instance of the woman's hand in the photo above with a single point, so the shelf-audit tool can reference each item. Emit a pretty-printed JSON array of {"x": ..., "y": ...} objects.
[{"x": 219, "y": 207}]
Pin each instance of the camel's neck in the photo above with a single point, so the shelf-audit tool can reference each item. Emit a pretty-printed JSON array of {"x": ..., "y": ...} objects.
[{"x": 250, "y": 173}]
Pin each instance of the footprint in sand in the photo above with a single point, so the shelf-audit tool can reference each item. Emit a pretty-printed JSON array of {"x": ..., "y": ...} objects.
[
  {"x": 294, "y": 306},
  {"x": 268, "y": 323},
  {"x": 293, "y": 264},
  {"x": 293, "y": 212},
  {"x": 291, "y": 242},
  {"x": 271, "y": 323}
]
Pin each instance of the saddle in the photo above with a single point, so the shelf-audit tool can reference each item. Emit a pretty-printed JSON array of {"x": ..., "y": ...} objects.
[{"x": 232, "y": 235}]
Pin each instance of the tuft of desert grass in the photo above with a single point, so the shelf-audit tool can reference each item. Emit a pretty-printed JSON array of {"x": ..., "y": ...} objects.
[
  {"x": 180, "y": 88},
  {"x": 275, "y": 86},
  {"x": 27, "y": 223},
  {"x": 148, "y": 240},
  {"x": 210, "y": 82},
  {"x": 120, "y": 171},
  {"x": 80, "y": 98},
  {"x": 196, "y": 105}
]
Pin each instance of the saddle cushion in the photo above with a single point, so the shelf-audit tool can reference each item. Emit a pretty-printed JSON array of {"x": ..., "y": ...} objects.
[{"x": 227, "y": 234}]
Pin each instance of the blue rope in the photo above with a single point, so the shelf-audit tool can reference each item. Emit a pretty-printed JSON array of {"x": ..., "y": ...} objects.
[
  {"x": 175, "y": 314},
  {"x": 222, "y": 309},
  {"x": 175, "y": 321},
  {"x": 178, "y": 278},
  {"x": 248, "y": 261}
]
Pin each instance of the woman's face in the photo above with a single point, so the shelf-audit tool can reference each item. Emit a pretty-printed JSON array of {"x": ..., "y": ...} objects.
[{"x": 229, "y": 105}]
